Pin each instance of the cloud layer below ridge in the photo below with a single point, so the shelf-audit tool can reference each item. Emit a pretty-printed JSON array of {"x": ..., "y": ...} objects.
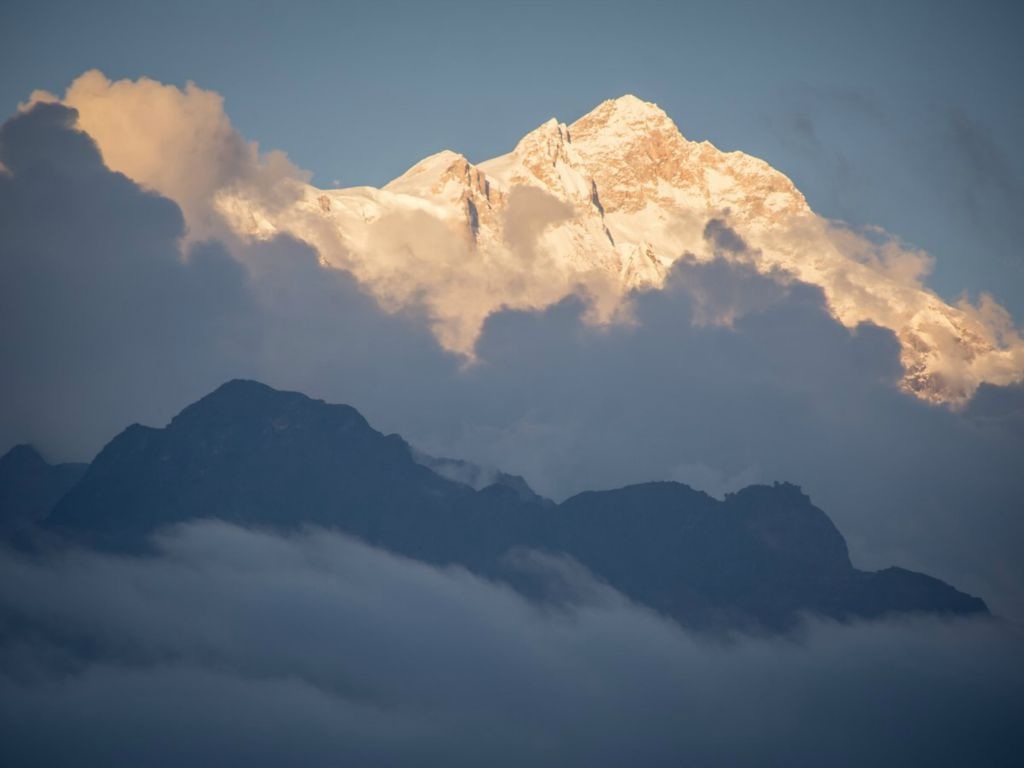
[{"x": 316, "y": 649}]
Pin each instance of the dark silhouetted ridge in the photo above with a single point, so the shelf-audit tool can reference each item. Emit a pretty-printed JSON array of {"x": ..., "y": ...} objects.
[
  {"x": 250, "y": 454},
  {"x": 29, "y": 487}
]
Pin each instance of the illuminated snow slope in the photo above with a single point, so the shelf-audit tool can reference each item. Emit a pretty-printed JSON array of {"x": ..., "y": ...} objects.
[{"x": 606, "y": 205}]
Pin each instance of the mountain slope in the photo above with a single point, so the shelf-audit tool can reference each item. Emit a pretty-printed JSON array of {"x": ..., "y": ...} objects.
[
  {"x": 610, "y": 203},
  {"x": 255, "y": 456},
  {"x": 30, "y": 487},
  {"x": 249, "y": 454}
]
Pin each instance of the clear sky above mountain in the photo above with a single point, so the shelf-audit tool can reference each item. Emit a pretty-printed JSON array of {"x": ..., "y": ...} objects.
[{"x": 897, "y": 115}]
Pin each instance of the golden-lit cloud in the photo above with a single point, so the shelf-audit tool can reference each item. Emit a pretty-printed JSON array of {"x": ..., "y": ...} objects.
[
  {"x": 602, "y": 207},
  {"x": 110, "y": 317},
  {"x": 178, "y": 142}
]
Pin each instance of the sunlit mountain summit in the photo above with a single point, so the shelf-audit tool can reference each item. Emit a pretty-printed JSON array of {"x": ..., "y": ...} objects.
[{"x": 607, "y": 205}]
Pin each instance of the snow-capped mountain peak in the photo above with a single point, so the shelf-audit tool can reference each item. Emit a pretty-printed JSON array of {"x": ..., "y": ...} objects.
[
  {"x": 624, "y": 115},
  {"x": 610, "y": 202}
]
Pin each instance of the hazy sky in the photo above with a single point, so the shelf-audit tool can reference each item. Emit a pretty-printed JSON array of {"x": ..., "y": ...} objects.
[{"x": 905, "y": 115}]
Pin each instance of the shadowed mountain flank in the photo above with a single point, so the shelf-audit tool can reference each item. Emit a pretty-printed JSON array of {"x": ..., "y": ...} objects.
[
  {"x": 253, "y": 455},
  {"x": 30, "y": 487}
]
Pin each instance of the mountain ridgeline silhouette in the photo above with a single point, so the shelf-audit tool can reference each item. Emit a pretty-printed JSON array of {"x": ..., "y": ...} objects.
[
  {"x": 29, "y": 487},
  {"x": 252, "y": 455}
]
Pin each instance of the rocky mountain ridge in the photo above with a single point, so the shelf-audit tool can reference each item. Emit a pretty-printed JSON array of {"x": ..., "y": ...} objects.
[{"x": 760, "y": 559}]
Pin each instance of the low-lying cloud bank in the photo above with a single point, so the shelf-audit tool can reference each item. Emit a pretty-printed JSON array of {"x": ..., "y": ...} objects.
[{"x": 249, "y": 648}]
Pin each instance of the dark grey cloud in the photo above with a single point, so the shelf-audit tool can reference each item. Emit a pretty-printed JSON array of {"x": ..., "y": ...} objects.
[
  {"x": 782, "y": 392},
  {"x": 252, "y": 649},
  {"x": 998, "y": 407},
  {"x": 723, "y": 237},
  {"x": 723, "y": 379},
  {"x": 101, "y": 316},
  {"x": 104, "y": 320}
]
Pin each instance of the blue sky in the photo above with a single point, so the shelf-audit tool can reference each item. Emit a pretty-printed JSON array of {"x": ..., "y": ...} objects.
[{"x": 903, "y": 115}]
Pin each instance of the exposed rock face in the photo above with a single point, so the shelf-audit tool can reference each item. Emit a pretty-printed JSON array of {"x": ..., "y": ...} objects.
[
  {"x": 617, "y": 197},
  {"x": 255, "y": 456}
]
